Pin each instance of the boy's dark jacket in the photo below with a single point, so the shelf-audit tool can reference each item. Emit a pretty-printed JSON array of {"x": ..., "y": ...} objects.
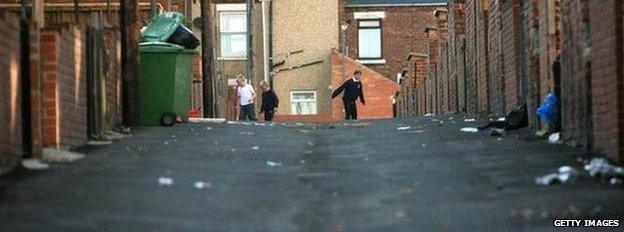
[
  {"x": 352, "y": 90},
  {"x": 269, "y": 101}
]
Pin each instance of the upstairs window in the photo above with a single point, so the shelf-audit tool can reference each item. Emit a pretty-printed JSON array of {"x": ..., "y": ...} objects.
[
  {"x": 369, "y": 39},
  {"x": 233, "y": 30}
]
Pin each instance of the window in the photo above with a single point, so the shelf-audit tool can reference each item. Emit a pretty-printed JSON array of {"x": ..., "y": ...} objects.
[
  {"x": 369, "y": 39},
  {"x": 233, "y": 28},
  {"x": 303, "y": 102}
]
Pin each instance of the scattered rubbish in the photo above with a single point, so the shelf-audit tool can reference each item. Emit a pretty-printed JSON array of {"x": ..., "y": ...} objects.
[
  {"x": 429, "y": 115},
  {"x": 470, "y": 129},
  {"x": 554, "y": 138},
  {"x": 403, "y": 128},
  {"x": 255, "y": 148},
  {"x": 273, "y": 164},
  {"x": 58, "y": 155},
  {"x": 417, "y": 131},
  {"x": 207, "y": 120},
  {"x": 601, "y": 167},
  {"x": 497, "y": 132},
  {"x": 34, "y": 164},
  {"x": 208, "y": 128},
  {"x": 615, "y": 181},
  {"x": 548, "y": 108},
  {"x": 167, "y": 143},
  {"x": 501, "y": 119},
  {"x": 563, "y": 175},
  {"x": 514, "y": 120},
  {"x": 470, "y": 120},
  {"x": 99, "y": 142},
  {"x": 202, "y": 185},
  {"x": 165, "y": 181}
]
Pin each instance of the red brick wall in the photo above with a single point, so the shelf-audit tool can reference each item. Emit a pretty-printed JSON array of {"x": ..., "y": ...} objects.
[
  {"x": 10, "y": 92},
  {"x": 575, "y": 86},
  {"x": 531, "y": 27},
  {"x": 456, "y": 56},
  {"x": 431, "y": 81},
  {"x": 607, "y": 77},
  {"x": 112, "y": 47},
  {"x": 495, "y": 52},
  {"x": 64, "y": 86},
  {"x": 401, "y": 34},
  {"x": 482, "y": 58},
  {"x": 510, "y": 39},
  {"x": 471, "y": 14}
]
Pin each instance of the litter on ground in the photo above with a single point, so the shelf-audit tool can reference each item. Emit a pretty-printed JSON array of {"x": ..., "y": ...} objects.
[
  {"x": 470, "y": 120},
  {"x": 564, "y": 175},
  {"x": 165, "y": 181},
  {"x": 470, "y": 129},
  {"x": 273, "y": 164},
  {"x": 554, "y": 138},
  {"x": 403, "y": 128},
  {"x": 202, "y": 185},
  {"x": 34, "y": 164}
]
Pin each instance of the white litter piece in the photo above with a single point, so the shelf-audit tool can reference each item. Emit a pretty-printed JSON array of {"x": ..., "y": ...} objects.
[
  {"x": 470, "y": 129},
  {"x": 165, "y": 181},
  {"x": 403, "y": 128},
  {"x": 470, "y": 120},
  {"x": 310, "y": 144},
  {"x": 424, "y": 145},
  {"x": 502, "y": 119},
  {"x": 207, "y": 120},
  {"x": 417, "y": 132},
  {"x": 255, "y": 148},
  {"x": 208, "y": 128},
  {"x": 602, "y": 167},
  {"x": 246, "y": 133},
  {"x": 554, "y": 138},
  {"x": 166, "y": 143},
  {"x": 564, "y": 175},
  {"x": 615, "y": 181},
  {"x": 202, "y": 185},
  {"x": 58, "y": 155},
  {"x": 429, "y": 115},
  {"x": 273, "y": 164},
  {"x": 34, "y": 164},
  {"x": 99, "y": 143}
]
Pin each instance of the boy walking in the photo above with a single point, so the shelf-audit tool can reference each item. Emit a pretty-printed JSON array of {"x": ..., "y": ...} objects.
[
  {"x": 246, "y": 97},
  {"x": 269, "y": 101},
  {"x": 352, "y": 88}
]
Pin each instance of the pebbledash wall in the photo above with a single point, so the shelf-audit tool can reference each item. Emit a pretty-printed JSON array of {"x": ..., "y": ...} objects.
[
  {"x": 10, "y": 97},
  {"x": 510, "y": 48}
]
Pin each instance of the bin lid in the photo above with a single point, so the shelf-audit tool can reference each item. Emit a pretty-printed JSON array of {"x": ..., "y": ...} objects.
[
  {"x": 162, "y": 27},
  {"x": 160, "y": 47}
]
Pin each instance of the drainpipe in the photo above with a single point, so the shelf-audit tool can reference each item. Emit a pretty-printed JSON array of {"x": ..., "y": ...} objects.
[
  {"x": 25, "y": 84},
  {"x": 265, "y": 39},
  {"x": 250, "y": 60},
  {"x": 270, "y": 41}
]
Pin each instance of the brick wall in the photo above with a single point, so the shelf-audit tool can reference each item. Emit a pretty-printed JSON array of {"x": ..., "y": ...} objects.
[
  {"x": 495, "y": 52},
  {"x": 10, "y": 92},
  {"x": 431, "y": 80},
  {"x": 112, "y": 58},
  {"x": 575, "y": 86},
  {"x": 64, "y": 86},
  {"x": 401, "y": 34},
  {"x": 607, "y": 77},
  {"x": 456, "y": 36},
  {"x": 471, "y": 55}
]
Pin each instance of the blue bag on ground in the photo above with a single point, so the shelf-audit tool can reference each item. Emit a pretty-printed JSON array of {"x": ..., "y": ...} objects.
[{"x": 547, "y": 111}]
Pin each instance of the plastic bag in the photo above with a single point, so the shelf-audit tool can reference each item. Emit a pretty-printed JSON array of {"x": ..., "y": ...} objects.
[{"x": 547, "y": 111}]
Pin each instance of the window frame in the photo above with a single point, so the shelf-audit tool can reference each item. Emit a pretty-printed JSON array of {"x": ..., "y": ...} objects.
[
  {"x": 292, "y": 100},
  {"x": 231, "y": 56},
  {"x": 380, "y": 27}
]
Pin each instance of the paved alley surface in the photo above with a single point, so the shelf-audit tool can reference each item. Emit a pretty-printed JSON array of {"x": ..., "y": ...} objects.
[{"x": 320, "y": 177}]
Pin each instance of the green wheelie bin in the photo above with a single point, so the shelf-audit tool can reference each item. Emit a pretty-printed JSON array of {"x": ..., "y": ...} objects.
[{"x": 165, "y": 85}]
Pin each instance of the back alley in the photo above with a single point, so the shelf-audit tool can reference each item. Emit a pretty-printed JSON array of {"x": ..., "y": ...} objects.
[{"x": 312, "y": 177}]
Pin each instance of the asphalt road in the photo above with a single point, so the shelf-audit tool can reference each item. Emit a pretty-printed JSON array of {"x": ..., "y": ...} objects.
[{"x": 319, "y": 177}]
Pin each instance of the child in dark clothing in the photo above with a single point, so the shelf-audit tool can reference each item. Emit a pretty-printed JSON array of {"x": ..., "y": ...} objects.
[
  {"x": 352, "y": 88},
  {"x": 269, "y": 101}
]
